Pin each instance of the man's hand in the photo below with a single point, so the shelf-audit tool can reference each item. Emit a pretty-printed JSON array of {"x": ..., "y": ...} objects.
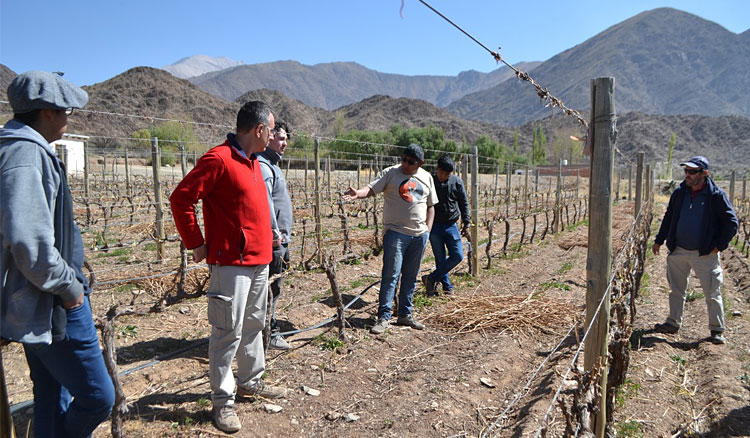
[
  {"x": 350, "y": 194},
  {"x": 200, "y": 253},
  {"x": 655, "y": 248},
  {"x": 716, "y": 250},
  {"x": 69, "y": 305},
  {"x": 465, "y": 231}
]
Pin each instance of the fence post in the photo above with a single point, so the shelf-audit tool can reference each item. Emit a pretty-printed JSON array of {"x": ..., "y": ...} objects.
[
  {"x": 536, "y": 180},
  {"x": 318, "y": 214},
  {"x": 638, "y": 184},
  {"x": 328, "y": 169},
  {"x": 497, "y": 175},
  {"x": 128, "y": 188},
  {"x": 731, "y": 187},
  {"x": 744, "y": 186},
  {"x": 475, "y": 210},
  {"x": 630, "y": 182},
  {"x": 558, "y": 201},
  {"x": 508, "y": 182},
  {"x": 307, "y": 160},
  {"x": 617, "y": 190},
  {"x": 526, "y": 188},
  {"x": 465, "y": 170},
  {"x": 183, "y": 160},
  {"x": 647, "y": 176},
  {"x": 359, "y": 171},
  {"x": 159, "y": 226},
  {"x": 86, "y": 186},
  {"x": 598, "y": 265}
]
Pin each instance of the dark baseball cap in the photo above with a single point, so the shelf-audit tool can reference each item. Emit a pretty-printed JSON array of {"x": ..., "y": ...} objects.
[
  {"x": 415, "y": 151},
  {"x": 698, "y": 162}
]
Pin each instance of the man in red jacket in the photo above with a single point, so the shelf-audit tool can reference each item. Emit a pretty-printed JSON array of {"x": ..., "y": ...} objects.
[{"x": 238, "y": 248}]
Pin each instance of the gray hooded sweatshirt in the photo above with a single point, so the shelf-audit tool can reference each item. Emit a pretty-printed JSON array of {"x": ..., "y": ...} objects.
[{"x": 41, "y": 256}]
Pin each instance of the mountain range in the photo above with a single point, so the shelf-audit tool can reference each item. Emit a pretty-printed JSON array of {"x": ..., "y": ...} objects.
[
  {"x": 197, "y": 65},
  {"x": 664, "y": 61},
  {"x": 144, "y": 96},
  {"x": 333, "y": 85}
]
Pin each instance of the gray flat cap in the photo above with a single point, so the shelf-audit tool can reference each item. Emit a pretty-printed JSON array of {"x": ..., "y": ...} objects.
[{"x": 35, "y": 90}]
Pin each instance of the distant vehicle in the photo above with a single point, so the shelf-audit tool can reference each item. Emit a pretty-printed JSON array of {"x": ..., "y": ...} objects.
[{"x": 519, "y": 172}]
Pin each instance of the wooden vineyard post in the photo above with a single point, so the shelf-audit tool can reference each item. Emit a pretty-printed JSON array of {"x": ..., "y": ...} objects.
[
  {"x": 159, "y": 225},
  {"x": 630, "y": 182},
  {"x": 318, "y": 214},
  {"x": 638, "y": 184},
  {"x": 617, "y": 189},
  {"x": 475, "y": 210},
  {"x": 508, "y": 182},
  {"x": 558, "y": 201},
  {"x": 183, "y": 160},
  {"x": 86, "y": 184},
  {"x": 647, "y": 192},
  {"x": 744, "y": 187},
  {"x": 128, "y": 188},
  {"x": 183, "y": 249},
  {"x": 526, "y": 188},
  {"x": 731, "y": 187},
  {"x": 599, "y": 265},
  {"x": 359, "y": 171}
]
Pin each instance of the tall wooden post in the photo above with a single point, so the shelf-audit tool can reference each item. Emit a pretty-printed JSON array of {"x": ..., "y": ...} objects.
[
  {"x": 159, "y": 207},
  {"x": 744, "y": 187},
  {"x": 638, "y": 184},
  {"x": 558, "y": 201},
  {"x": 731, "y": 187},
  {"x": 183, "y": 160},
  {"x": 536, "y": 180},
  {"x": 128, "y": 187},
  {"x": 318, "y": 213},
  {"x": 598, "y": 265},
  {"x": 475, "y": 210},
  {"x": 526, "y": 187},
  {"x": 359, "y": 171},
  {"x": 617, "y": 189},
  {"x": 647, "y": 192},
  {"x": 465, "y": 170},
  {"x": 508, "y": 182},
  {"x": 630, "y": 182},
  {"x": 86, "y": 185}
]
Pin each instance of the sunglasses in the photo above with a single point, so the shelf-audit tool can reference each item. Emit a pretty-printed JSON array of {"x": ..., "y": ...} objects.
[
  {"x": 693, "y": 171},
  {"x": 409, "y": 161}
]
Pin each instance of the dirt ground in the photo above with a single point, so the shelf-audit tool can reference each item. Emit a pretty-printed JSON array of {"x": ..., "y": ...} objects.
[{"x": 427, "y": 383}]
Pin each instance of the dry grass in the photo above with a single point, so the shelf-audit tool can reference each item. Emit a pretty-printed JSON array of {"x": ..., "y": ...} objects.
[{"x": 506, "y": 312}]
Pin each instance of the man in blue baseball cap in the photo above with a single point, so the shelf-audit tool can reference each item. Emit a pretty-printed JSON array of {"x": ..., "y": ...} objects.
[
  {"x": 699, "y": 223},
  {"x": 43, "y": 293}
]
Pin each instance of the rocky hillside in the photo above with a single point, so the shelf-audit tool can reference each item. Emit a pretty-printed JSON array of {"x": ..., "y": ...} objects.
[
  {"x": 664, "y": 61},
  {"x": 6, "y": 76},
  {"x": 332, "y": 85}
]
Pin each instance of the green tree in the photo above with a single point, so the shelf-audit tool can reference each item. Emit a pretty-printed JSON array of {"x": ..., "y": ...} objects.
[{"x": 172, "y": 135}]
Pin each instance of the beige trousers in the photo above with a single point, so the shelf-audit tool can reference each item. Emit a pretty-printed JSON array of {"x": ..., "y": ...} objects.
[{"x": 708, "y": 270}]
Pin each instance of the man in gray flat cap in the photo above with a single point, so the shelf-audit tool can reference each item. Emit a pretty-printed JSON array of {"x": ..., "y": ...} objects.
[{"x": 43, "y": 293}]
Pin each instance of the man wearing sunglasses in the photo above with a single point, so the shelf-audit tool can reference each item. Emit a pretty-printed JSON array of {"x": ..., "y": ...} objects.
[
  {"x": 700, "y": 221},
  {"x": 408, "y": 212}
]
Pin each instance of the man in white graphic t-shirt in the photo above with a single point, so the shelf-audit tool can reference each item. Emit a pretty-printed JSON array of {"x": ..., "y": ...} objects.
[{"x": 408, "y": 212}]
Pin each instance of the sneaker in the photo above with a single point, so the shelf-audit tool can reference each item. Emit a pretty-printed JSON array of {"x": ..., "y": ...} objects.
[
  {"x": 666, "y": 327},
  {"x": 279, "y": 343},
  {"x": 448, "y": 290},
  {"x": 410, "y": 322},
  {"x": 261, "y": 390},
  {"x": 429, "y": 285},
  {"x": 226, "y": 419},
  {"x": 379, "y": 327},
  {"x": 717, "y": 337}
]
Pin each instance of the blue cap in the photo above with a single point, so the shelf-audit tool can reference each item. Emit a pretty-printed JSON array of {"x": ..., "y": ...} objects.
[
  {"x": 697, "y": 162},
  {"x": 34, "y": 90}
]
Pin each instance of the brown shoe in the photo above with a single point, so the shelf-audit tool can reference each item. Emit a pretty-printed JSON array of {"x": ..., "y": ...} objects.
[
  {"x": 261, "y": 390},
  {"x": 226, "y": 420}
]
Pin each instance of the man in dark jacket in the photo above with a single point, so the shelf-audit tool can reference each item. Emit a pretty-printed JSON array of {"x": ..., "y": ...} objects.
[
  {"x": 699, "y": 222},
  {"x": 444, "y": 234}
]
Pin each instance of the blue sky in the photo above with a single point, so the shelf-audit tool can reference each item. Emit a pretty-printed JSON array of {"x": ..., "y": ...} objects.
[{"x": 92, "y": 41}]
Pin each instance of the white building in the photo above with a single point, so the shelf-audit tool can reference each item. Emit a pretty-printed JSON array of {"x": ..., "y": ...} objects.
[{"x": 72, "y": 144}]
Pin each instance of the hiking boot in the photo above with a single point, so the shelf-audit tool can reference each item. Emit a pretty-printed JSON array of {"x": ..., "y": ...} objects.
[
  {"x": 261, "y": 390},
  {"x": 279, "y": 343},
  {"x": 379, "y": 327},
  {"x": 226, "y": 419},
  {"x": 410, "y": 322},
  {"x": 429, "y": 285},
  {"x": 717, "y": 337},
  {"x": 666, "y": 327}
]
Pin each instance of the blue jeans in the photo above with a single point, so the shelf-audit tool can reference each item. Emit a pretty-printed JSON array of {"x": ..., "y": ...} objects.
[
  {"x": 402, "y": 254},
  {"x": 444, "y": 236},
  {"x": 73, "y": 392}
]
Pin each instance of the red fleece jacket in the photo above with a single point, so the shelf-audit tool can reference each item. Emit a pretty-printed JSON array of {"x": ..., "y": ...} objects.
[{"x": 235, "y": 208}]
